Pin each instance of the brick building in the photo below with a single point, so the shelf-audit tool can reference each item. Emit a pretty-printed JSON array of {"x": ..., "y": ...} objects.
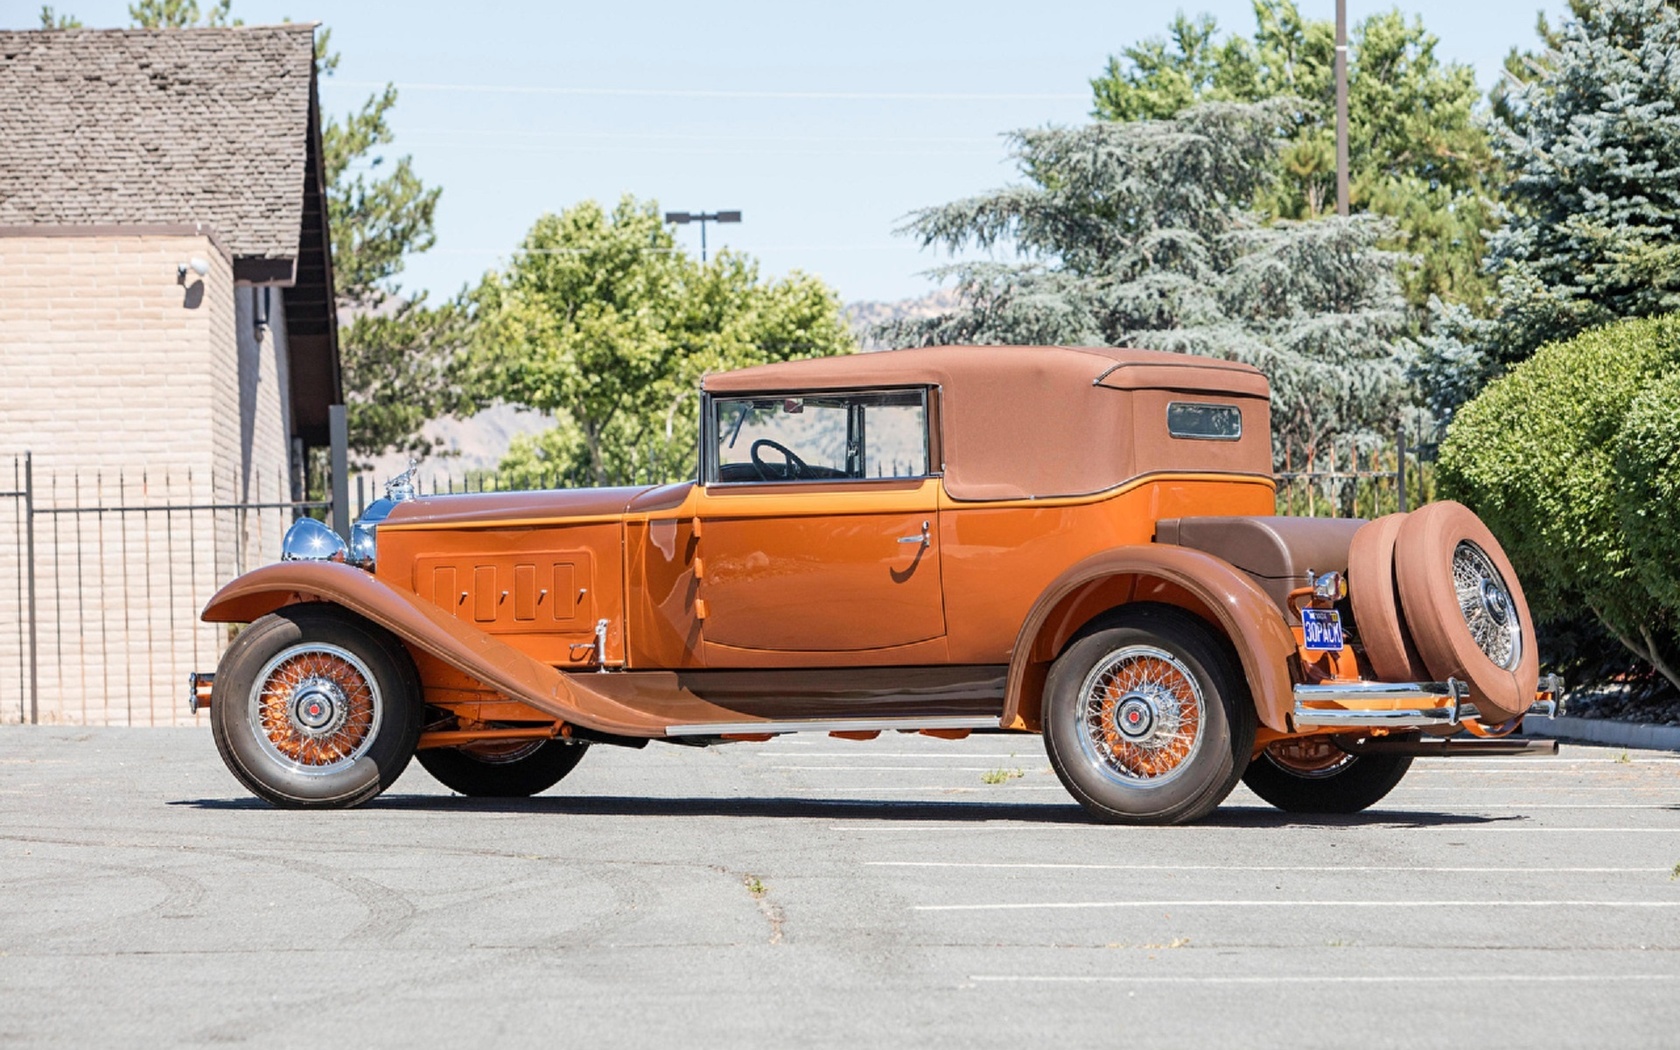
[{"x": 167, "y": 331}]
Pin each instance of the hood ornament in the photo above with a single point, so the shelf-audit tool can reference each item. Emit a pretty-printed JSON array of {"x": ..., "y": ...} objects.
[{"x": 401, "y": 487}]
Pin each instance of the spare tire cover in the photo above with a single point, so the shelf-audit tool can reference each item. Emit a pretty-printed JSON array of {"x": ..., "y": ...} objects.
[
  {"x": 1465, "y": 608},
  {"x": 1376, "y": 604}
]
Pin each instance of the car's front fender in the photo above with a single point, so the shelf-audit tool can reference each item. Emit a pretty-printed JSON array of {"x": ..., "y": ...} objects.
[
  {"x": 1201, "y": 583},
  {"x": 424, "y": 626}
]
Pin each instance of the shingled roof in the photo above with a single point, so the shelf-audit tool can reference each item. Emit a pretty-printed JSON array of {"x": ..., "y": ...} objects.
[{"x": 216, "y": 126}]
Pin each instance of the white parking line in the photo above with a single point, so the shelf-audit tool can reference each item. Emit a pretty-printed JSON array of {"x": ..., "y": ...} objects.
[
  {"x": 1473, "y": 804},
  {"x": 1257, "y": 867},
  {"x": 1200, "y": 829},
  {"x": 1257, "y": 903},
  {"x": 1512, "y": 980},
  {"x": 1541, "y": 762},
  {"x": 931, "y": 788}
]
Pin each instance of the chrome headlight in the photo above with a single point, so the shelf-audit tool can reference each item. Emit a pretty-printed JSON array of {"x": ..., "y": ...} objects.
[{"x": 309, "y": 540}]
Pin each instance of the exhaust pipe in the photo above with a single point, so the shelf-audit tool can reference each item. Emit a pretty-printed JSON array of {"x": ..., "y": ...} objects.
[{"x": 1450, "y": 748}]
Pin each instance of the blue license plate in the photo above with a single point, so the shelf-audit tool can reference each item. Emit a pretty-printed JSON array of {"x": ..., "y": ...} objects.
[{"x": 1323, "y": 629}]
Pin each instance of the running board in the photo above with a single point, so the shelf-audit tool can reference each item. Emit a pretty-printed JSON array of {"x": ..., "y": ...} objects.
[{"x": 833, "y": 725}]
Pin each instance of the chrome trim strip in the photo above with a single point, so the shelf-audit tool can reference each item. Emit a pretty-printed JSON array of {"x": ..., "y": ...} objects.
[
  {"x": 1327, "y": 718},
  {"x": 1356, "y": 691},
  {"x": 835, "y": 725}
]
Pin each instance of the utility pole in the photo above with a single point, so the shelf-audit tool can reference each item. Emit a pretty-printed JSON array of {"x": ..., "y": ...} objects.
[
  {"x": 1341, "y": 109},
  {"x": 683, "y": 218}
]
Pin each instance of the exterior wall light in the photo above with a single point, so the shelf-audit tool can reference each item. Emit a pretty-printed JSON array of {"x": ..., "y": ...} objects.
[{"x": 197, "y": 264}]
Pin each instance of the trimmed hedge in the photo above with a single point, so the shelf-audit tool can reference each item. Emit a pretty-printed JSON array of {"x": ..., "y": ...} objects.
[
  {"x": 1559, "y": 462},
  {"x": 1647, "y": 464}
]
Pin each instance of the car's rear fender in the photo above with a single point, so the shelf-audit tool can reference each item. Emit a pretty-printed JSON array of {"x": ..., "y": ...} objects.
[
  {"x": 1192, "y": 580},
  {"x": 424, "y": 627}
]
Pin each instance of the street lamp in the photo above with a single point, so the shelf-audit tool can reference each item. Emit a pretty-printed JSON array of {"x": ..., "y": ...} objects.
[
  {"x": 683, "y": 218},
  {"x": 1341, "y": 109}
]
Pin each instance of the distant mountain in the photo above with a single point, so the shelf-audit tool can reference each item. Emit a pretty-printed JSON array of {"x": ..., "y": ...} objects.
[
  {"x": 477, "y": 442},
  {"x": 864, "y": 317}
]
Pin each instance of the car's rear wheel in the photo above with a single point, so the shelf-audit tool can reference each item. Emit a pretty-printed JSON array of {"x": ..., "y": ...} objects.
[
  {"x": 1147, "y": 720},
  {"x": 1316, "y": 776},
  {"x": 510, "y": 770},
  {"x": 315, "y": 707}
]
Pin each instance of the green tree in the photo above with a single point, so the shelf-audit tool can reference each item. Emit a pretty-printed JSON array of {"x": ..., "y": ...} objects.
[
  {"x": 178, "y": 14},
  {"x": 396, "y": 350},
  {"x": 1589, "y": 132},
  {"x": 603, "y": 321},
  {"x": 1416, "y": 152},
  {"x": 1135, "y": 234},
  {"x": 51, "y": 19},
  {"x": 1573, "y": 460}
]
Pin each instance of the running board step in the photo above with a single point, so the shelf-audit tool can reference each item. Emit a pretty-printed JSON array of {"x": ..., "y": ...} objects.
[{"x": 834, "y": 725}]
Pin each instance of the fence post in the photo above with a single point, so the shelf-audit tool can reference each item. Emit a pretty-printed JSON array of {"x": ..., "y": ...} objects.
[
  {"x": 29, "y": 558},
  {"x": 338, "y": 433},
  {"x": 1400, "y": 466}
]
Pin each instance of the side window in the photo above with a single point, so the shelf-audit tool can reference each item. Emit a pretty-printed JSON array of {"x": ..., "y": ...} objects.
[
  {"x": 820, "y": 437},
  {"x": 1208, "y": 422}
]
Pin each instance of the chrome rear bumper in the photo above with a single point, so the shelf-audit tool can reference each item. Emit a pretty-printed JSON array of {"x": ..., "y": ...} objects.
[{"x": 1401, "y": 705}]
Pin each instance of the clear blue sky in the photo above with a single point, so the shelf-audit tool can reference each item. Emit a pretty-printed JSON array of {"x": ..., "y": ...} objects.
[{"x": 824, "y": 123}]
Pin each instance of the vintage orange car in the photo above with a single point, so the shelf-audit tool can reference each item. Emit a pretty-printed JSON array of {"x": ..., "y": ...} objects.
[{"x": 1077, "y": 542}]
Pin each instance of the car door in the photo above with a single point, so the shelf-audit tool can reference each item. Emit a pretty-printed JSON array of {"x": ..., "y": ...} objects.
[{"x": 819, "y": 524}]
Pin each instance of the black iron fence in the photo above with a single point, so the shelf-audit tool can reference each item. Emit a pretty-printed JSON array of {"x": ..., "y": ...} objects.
[{"x": 105, "y": 573}]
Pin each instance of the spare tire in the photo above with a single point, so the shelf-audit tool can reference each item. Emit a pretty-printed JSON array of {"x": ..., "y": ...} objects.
[
  {"x": 1465, "y": 608},
  {"x": 1376, "y": 606}
]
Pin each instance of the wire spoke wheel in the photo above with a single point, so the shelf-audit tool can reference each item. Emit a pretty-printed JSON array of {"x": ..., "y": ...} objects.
[
  {"x": 1141, "y": 721},
  {"x": 1311, "y": 758},
  {"x": 1147, "y": 719},
  {"x": 1485, "y": 601},
  {"x": 315, "y": 706}
]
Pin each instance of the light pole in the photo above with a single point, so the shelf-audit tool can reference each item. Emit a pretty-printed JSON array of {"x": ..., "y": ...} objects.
[
  {"x": 683, "y": 218},
  {"x": 1341, "y": 109}
]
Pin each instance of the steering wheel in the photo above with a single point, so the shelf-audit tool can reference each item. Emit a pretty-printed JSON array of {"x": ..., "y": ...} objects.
[{"x": 793, "y": 468}]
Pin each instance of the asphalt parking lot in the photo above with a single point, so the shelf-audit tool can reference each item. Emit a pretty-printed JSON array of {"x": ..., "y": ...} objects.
[{"x": 817, "y": 892}]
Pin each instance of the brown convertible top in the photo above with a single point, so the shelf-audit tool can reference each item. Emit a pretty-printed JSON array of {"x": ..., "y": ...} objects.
[{"x": 1043, "y": 421}]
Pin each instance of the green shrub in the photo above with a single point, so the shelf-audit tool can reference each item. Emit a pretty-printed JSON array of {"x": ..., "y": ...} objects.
[
  {"x": 1647, "y": 463},
  {"x": 1536, "y": 455}
]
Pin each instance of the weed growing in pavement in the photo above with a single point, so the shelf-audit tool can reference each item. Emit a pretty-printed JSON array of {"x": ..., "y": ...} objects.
[
  {"x": 755, "y": 887},
  {"x": 1675, "y": 874},
  {"x": 999, "y": 776},
  {"x": 1623, "y": 759}
]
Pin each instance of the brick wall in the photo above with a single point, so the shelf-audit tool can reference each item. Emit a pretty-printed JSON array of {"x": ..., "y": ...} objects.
[{"x": 131, "y": 388}]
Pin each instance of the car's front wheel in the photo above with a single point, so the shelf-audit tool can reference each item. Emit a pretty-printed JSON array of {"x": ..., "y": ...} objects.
[
  {"x": 508, "y": 770},
  {"x": 1147, "y": 720},
  {"x": 1315, "y": 776},
  {"x": 315, "y": 707}
]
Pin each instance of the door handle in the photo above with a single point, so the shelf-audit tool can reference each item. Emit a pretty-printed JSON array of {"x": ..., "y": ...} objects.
[{"x": 921, "y": 538}]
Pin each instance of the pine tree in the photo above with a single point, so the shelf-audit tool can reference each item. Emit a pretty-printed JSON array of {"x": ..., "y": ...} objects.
[
  {"x": 1591, "y": 233},
  {"x": 1417, "y": 153},
  {"x": 1138, "y": 234}
]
